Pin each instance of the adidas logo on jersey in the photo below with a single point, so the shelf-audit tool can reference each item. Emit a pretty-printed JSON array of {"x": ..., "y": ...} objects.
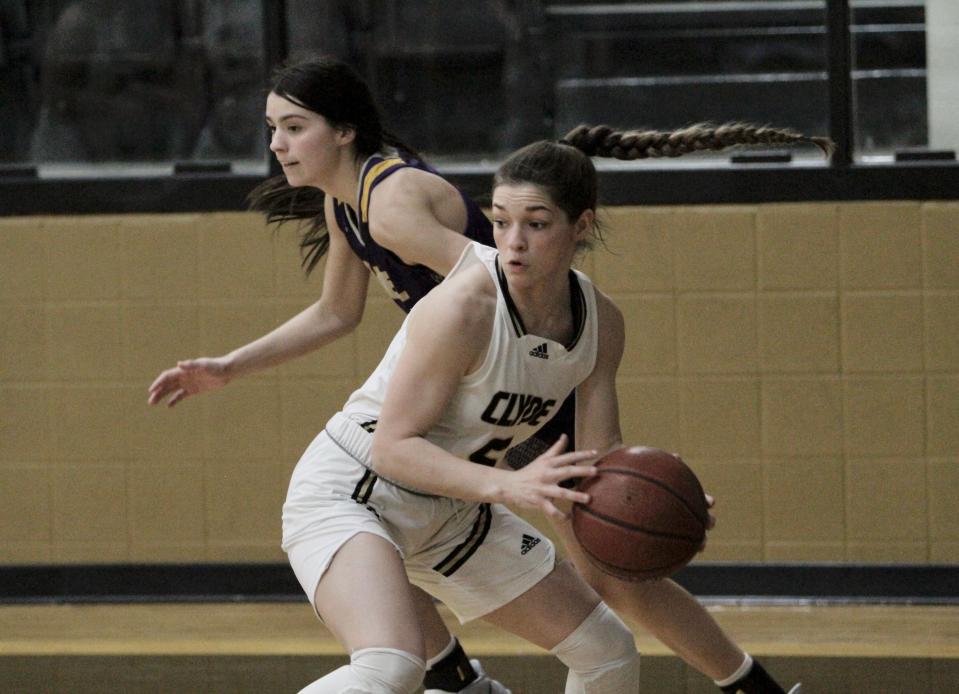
[
  {"x": 528, "y": 543},
  {"x": 539, "y": 351}
]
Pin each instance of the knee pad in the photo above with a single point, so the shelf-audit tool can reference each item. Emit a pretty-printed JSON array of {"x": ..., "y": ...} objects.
[
  {"x": 373, "y": 671},
  {"x": 601, "y": 652},
  {"x": 387, "y": 670}
]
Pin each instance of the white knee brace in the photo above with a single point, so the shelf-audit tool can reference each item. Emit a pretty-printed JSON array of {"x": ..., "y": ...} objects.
[
  {"x": 601, "y": 655},
  {"x": 373, "y": 671}
]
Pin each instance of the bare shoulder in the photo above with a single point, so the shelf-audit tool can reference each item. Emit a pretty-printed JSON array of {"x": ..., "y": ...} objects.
[
  {"x": 411, "y": 189},
  {"x": 410, "y": 180},
  {"x": 609, "y": 315},
  {"x": 463, "y": 303},
  {"x": 612, "y": 325},
  {"x": 420, "y": 217}
]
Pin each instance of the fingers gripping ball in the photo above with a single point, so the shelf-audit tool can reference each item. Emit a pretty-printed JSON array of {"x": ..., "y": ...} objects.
[{"x": 647, "y": 515}]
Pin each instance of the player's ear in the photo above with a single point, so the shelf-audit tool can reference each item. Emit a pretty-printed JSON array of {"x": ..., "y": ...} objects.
[
  {"x": 345, "y": 135},
  {"x": 584, "y": 225}
]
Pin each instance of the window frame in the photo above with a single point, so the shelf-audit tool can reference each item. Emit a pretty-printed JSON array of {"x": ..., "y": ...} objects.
[{"x": 22, "y": 192}]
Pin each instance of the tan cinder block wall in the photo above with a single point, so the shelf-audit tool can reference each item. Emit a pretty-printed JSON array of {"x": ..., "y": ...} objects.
[{"x": 803, "y": 358}]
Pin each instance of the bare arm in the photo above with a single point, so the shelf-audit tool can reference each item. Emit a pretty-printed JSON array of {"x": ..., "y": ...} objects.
[
  {"x": 336, "y": 313},
  {"x": 420, "y": 217},
  {"x": 446, "y": 339},
  {"x": 597, "y": 404}
]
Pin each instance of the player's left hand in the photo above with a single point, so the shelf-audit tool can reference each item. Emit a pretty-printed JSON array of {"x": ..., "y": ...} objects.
[{"x": 710, "y": 521}]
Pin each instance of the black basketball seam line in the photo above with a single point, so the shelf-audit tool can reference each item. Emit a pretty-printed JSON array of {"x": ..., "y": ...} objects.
[
  {"x": 653, "y": 480},
  {"x": 619, "y": 523},
  {"x": 628, "y": 571},
  {"x": 658, "y": 483}
]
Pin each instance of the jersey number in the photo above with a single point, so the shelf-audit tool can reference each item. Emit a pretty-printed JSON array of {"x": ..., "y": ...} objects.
[
  {"x": 387, "y": 282},
  {"x": 482, "y": 456}
]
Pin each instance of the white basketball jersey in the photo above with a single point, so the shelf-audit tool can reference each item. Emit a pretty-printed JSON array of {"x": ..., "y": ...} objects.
[{"x": 520, "y": 385}]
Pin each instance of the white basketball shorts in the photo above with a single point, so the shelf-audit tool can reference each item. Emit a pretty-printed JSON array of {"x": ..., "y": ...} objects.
[{"x": 473, "y": 557}]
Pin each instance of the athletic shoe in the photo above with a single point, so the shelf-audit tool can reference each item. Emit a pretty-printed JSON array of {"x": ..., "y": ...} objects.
[
  {"x": 481, "y": 685},
  {"x": 797, "y": 688}
]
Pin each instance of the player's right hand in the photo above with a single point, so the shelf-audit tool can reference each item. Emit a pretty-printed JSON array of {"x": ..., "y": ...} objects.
[
  {"x": 537, "y": 485},
  {"x": 188, "y": 377}
]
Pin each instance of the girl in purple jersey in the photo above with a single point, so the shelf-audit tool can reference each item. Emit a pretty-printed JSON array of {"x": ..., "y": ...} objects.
[
  {"x": 402, "y": 223},
  {"x": 325, "y": 130}
]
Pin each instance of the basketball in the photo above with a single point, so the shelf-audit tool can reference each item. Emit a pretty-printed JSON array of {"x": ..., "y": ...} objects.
[{"x": 647, "y": 515}]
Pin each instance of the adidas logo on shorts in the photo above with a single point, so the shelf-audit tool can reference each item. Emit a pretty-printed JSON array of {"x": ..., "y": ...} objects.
[
  {"x": 528, "y": 543},
  {"x": 539, "y": 351}
]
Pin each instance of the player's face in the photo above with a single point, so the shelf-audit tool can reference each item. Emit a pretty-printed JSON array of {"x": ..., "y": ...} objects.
[
  {"x": 534, "y": 237},
  {"x": 306, "y": 145}
]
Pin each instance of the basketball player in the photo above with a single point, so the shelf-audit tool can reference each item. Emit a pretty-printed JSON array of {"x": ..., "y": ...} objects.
[
  {"x": 407, "y": 227},
  {"x": 401, "y": 486}
]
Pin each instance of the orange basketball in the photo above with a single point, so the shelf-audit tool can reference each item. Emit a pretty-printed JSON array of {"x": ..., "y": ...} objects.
[{"x": 647, "y": 516}]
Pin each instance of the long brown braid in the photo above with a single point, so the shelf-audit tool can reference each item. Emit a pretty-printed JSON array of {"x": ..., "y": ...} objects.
[{"x": 604, "y": 141}]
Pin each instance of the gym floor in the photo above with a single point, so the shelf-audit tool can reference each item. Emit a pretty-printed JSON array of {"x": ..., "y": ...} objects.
[{"x": 267, "y": 647}]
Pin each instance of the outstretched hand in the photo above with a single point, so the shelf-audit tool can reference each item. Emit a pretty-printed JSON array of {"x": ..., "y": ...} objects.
[
  {"x": 187, "y": 378},
  {"x": 537, "y": 485}
]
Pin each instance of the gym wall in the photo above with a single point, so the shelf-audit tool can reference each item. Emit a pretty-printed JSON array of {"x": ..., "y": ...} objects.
[{"x": 803, "y": 358}]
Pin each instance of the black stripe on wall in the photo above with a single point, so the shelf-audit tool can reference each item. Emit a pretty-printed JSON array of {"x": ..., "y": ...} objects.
[{"x": 883, "y": 583}]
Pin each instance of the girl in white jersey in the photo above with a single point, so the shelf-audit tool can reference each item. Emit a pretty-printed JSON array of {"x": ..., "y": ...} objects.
[{"x": 402, "y": 485}]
